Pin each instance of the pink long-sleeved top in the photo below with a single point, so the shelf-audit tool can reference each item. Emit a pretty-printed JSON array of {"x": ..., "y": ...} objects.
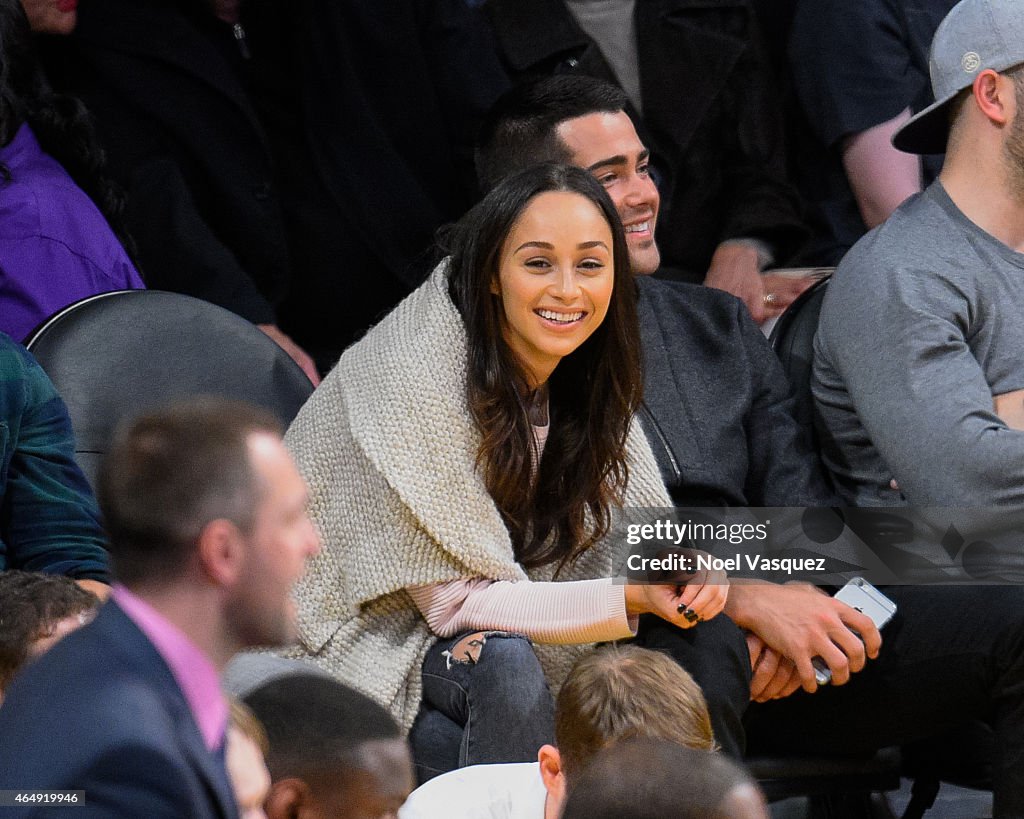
[{"x": 583, "y": 611}]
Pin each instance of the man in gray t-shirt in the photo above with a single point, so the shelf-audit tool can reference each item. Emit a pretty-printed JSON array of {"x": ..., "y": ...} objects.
[
  {"x": 921, "y": 331},
  {"x": 919, "y": 355},
  {"x": 919, "y": 379}
]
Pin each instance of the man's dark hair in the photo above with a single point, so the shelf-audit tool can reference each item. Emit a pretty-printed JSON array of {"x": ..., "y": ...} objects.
[
  {"x": 31, "y": 605},
  {"x": 171, "y": 472},
  {"x": 651, "y": 778},
  {"x": 317, "y": 726},
  {"x": 520, "y": 129}
]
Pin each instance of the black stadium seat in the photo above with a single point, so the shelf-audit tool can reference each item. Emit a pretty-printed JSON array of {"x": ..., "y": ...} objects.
[
  {"x": 792, "y": 339},
  {"x": 115, "y": 354}
]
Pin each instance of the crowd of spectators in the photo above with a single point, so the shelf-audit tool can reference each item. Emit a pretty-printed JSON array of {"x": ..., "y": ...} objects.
[
  {"x": 251, "y": 181},
  {"x": 527, "y": 245}
]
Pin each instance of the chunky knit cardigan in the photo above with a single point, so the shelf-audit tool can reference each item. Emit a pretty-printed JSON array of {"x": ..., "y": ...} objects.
[{"x": 388, "y": 447}]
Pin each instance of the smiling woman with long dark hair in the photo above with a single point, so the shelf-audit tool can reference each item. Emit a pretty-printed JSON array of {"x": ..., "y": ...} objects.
[
  {"x": 592, "y": 393},
  {"x": 60, "y": 218},
  {"x": 464, "y": 460}
]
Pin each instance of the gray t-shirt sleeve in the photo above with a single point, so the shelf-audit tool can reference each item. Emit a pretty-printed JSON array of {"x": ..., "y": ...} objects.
[{"x": 903, "y": 341}]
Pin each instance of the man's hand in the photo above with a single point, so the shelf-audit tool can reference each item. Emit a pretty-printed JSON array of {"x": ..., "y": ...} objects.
[
  {"x": 772, "y": 675},
  {"x": 735, "y": 269},
  {"x": 703, "y": 597},
  {"x": 801, "y": 622},
  {"x": 297, "y": 354}
]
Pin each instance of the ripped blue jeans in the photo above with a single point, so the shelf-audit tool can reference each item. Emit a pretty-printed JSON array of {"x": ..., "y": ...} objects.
[{"x": 485, "y": 700}]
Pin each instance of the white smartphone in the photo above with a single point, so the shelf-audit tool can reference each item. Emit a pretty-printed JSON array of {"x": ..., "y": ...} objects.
[{"x": 865, "y": 598}]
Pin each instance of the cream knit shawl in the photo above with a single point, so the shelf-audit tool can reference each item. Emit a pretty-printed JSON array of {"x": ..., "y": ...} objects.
[{"x": 388, "y": 448}]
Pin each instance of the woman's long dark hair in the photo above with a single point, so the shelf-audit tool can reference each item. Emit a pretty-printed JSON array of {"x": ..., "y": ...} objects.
[
  {"x": 59, "y": 122},
  {"x": 593, "y": 392}
]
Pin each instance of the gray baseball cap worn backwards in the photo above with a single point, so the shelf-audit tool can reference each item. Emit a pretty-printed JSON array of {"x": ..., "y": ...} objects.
[{"x": 974, "y": 36}]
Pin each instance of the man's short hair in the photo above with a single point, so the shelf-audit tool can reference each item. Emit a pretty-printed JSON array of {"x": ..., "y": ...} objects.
[
  {"x": 647, "y": 778},
  {"x": 31, "y": 605},
  {"x": 171, "y": 472},
  {"x": 618, "y": 692},
  {"x": 520, "y": 130},
  {"x": 317, "y": 726}
]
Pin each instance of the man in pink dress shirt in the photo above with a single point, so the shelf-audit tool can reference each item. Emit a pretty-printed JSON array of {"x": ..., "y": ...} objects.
[{"x": 208, "y": 532}]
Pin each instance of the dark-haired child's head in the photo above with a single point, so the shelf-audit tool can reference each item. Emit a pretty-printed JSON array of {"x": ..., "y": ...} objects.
[
  {"x": 646, "y": 778},
  {"x": 36, "y": 610},
  {"x": 333, "y": 751}
]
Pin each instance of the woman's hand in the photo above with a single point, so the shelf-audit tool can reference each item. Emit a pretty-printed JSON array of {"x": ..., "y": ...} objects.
[
  {"x": 705, "y": 594},
  {"x": 702, "y": 598}
]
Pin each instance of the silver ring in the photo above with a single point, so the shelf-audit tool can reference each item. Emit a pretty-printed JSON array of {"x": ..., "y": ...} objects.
[{"x": 769, "y": 299}]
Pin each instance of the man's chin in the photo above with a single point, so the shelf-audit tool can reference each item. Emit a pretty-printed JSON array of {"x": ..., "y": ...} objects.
[
  {"x": 279, "y": 633},
  {"x": 644, "y": 260}
]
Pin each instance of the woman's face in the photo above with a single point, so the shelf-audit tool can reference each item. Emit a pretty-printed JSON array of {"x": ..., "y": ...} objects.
[
  {"x": 51, "y": 16},
  {"x": 555, "y": 279}
]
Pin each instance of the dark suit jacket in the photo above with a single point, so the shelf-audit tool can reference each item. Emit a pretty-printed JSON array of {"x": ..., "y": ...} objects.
[
  {"x": 717, "y": 406},
  {"x": 165, "y": 87},
  {"x": 710, "y": 115},
  {"x": 102, "y": 713}
]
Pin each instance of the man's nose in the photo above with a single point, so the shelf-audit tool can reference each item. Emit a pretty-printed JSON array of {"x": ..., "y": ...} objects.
[{"x": 640, "y": 191}]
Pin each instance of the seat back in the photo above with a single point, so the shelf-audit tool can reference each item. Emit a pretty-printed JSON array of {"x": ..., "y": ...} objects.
[
  {"x": 115, "y": 354},
  {"x": 792, "y": 338}
]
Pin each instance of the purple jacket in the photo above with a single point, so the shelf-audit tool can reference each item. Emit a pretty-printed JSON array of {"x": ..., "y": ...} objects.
[{"x": 55, "y": 245}]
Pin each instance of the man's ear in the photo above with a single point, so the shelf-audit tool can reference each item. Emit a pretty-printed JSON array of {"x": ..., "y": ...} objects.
[
  {"x": 221, "y": 552},
  {"x": 288, "y": 799},
  {"x": 550, "y": 762},
  {"x": 991, "y": 93}
]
